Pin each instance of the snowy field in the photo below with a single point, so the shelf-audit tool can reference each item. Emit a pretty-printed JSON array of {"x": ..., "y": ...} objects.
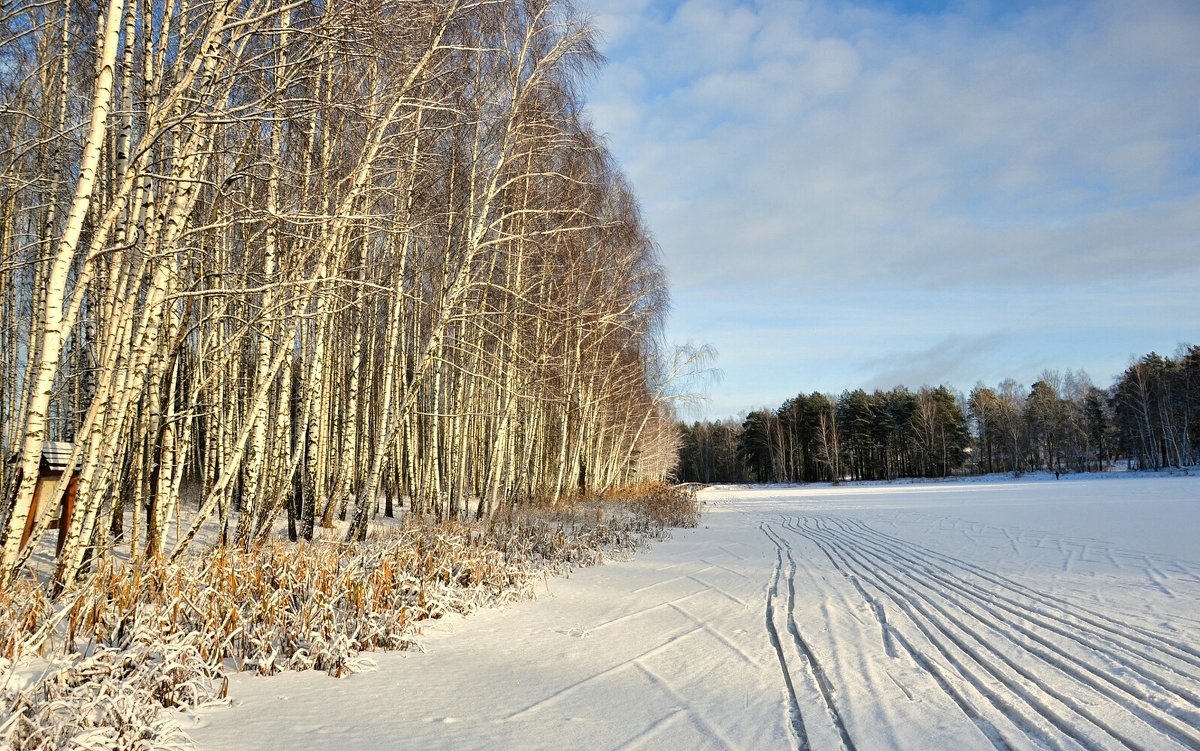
[{"x": 1001, "y": 614}]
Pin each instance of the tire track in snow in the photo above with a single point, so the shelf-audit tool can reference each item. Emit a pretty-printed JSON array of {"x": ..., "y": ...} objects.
[
  {"x": 889, "y": 565},
  {"x": 820, "y": 678}
]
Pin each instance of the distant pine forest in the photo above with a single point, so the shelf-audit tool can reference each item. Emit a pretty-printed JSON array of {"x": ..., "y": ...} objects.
[{"x": 1148, "y": 419}]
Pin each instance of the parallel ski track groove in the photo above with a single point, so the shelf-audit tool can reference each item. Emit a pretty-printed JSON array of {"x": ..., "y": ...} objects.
[
  {"x": 1107, "y": 623},
  {"x": 1067, "y": 629},
  {"x": 801, "y": 735},
  {"x": 1021, "y": 721},
  {"x": 824, "y": 685},
  {"x": 890, "y": 555},
  {"x": 1075, "y": 707},
  {"x": 1070, "y": 664}
]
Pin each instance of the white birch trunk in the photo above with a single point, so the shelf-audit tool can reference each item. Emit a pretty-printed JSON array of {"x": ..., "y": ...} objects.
[{"x": 52, "y": 335}]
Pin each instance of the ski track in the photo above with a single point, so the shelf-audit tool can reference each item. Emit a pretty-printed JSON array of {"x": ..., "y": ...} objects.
[
  {"x": 796, "y": 717},
  {"x": 717, "y": 635},
  {"x": 664, "y": 684},
  {"x": 646, "y": 738},
  {"x": 631, "y": 662},
  {"x": 1052, "y": 651},
  {"x": 819, "y": 621},
  {"x": 1074, "y": 609},
  {"x": 811, "y": 667}
]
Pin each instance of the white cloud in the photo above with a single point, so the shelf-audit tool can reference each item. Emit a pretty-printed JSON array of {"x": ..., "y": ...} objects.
[{"x": 999, "y": 145}]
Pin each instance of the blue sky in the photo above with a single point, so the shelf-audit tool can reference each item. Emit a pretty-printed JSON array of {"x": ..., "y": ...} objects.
[{"x": 868, "y": 194}]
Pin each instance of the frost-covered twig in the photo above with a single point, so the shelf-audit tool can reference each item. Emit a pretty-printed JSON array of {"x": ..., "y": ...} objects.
[{"x": 159, "y": 634}]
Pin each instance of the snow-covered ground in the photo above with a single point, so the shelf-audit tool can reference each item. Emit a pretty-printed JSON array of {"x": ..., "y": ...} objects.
[{"x": 1007, "y": 614}]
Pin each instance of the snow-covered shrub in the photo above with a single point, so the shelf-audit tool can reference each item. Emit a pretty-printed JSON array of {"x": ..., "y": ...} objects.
[
  {"x": 113, "y": 698},
  {"x": 25, "y": 610},
  {"x": 670, "y": 506},
  {"x": 129, "y": 641}
]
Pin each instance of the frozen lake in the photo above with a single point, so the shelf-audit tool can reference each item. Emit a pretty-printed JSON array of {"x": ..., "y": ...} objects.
[{"x": 985, "y": 614}]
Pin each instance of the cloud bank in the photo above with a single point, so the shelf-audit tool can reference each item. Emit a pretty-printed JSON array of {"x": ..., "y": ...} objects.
[{"x": 896, "y": 159}]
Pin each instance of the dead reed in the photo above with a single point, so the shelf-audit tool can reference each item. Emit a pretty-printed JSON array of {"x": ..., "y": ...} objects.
[{"x": 129, "y": 641}]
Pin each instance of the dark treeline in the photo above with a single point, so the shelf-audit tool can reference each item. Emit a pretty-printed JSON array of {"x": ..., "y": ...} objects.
[{"x": 1149, "y": 418}]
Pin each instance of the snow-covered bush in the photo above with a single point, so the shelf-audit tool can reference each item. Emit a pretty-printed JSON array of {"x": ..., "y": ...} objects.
[
  {"x": 669, "y": 506},
  {"x": 112, "y": 698},
  {"x": 128, "y": 641}
]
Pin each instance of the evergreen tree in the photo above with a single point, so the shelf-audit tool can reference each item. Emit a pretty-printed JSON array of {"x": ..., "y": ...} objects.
[{"x": 756, "y": 446}]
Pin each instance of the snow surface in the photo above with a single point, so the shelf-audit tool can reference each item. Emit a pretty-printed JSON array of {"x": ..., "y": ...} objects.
[{"x": 1000, "y": 614}]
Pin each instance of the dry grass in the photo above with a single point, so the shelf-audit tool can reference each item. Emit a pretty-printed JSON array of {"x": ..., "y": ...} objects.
[
  {"x": 669, "y": 506},
  {"x": 112, "y": 698},
  {"x": 129, "y": 641}
]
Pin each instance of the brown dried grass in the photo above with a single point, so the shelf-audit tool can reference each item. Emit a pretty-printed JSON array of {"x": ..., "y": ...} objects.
[{"x": 130, "y": 640}]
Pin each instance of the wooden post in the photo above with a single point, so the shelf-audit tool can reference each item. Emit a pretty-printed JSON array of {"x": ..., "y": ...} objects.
[
  {"x": 65, "y": 511},
  {"x": 32, "y": 519}
]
